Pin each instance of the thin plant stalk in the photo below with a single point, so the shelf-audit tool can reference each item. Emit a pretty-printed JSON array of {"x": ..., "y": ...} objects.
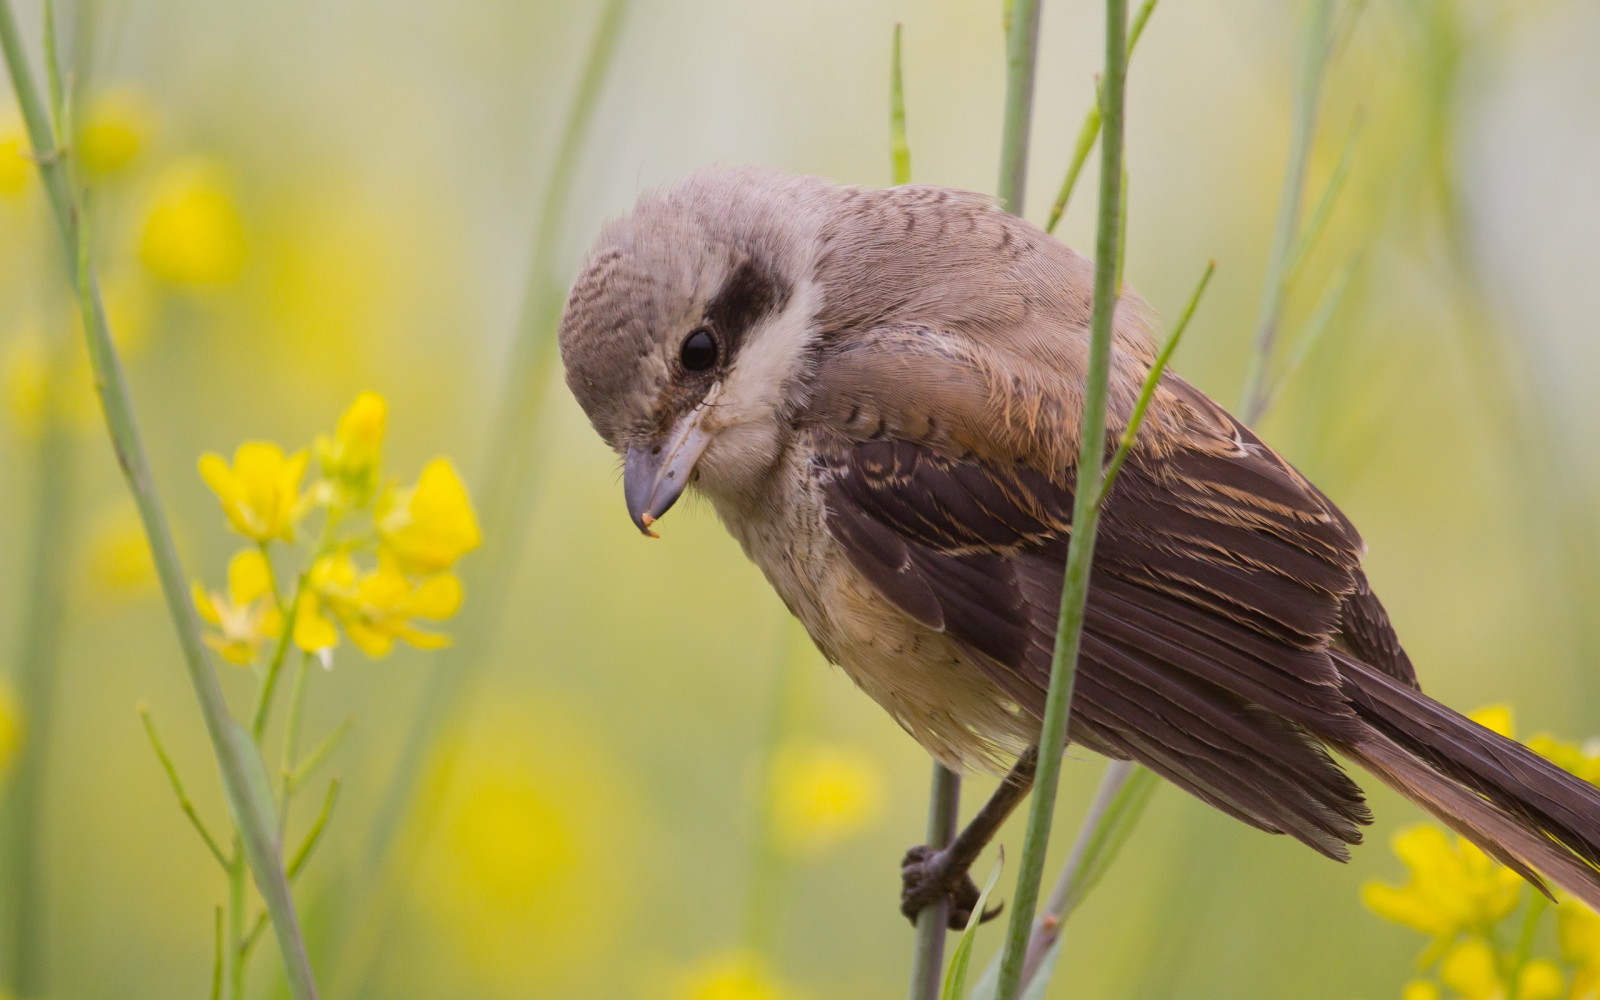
[
  {"x": 37, "y": 658},
  {"x": 1022, "y": 57},
  {"x": 237, "y": 760},
  {"x": 944, "y": 787},
  {"x": 1089, "y": 131},
  {"x": 899, "y": 146},
  {"x": 1085, "y": 512},
  {"x": 1307, "y": 98},
  {"x": 944, "y": 808},
  {"x": 506, "y": 490},
  {"x": 1118, "y": 805}
]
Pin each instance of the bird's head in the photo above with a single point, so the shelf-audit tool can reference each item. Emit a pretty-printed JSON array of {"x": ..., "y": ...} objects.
[{"x": 685, "y": 334}]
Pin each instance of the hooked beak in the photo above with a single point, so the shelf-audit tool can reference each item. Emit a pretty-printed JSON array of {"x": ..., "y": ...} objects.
[{"x": 654, "y": 476}]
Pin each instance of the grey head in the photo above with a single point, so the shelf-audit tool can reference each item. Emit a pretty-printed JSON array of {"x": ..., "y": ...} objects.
[{"x": 682, "y": 334}]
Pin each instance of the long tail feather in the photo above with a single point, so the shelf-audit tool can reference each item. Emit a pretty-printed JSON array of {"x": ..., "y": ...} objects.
[{"x": 1521, "y": 809}]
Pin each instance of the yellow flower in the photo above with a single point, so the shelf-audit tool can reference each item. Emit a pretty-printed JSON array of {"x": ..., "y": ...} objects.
[
  {"x": 118, "y": 557},
  {"x": 1420, "y": 989},
  {"x": 14, "y": 166},
  {"x": 350, "y": 459},
  {"x": 246, "y": 617},
  {"x": 1578, "y": 928},
  {"x": 1454, "y": 887},
  {"x": 732, "y": 976},
  {"x": 1497, "y": 717},
  {"x": 375, "y": 608},
  {"x": 193, "y": 233},
  {"x": 10, "y": 729},
  {"x": 26, "y": 373},
  {"x": 114, "y": 131},
  {"x": 1470, "y": 968},
  {"x": 822, "y": 794},
  {"x": 428, "y": 527},
  {"x": 1583, "y": 761},
  {"x": 260, "y": 493},
  {"x": 531, "y": 872}
]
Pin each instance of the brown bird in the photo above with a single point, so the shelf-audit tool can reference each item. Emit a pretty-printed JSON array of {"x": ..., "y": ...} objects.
[{"x": 879, "y": 391}]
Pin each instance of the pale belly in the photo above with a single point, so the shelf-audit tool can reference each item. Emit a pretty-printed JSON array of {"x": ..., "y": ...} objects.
[{"x": 920, "y": 676}]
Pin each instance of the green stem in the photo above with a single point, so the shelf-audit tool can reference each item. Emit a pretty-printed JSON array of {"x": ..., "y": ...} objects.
[
  {"x": 1308, "y": 92},
  {"x": 1525, "y": 939},
  {"x": 235, "y": 958},
  {"x": 944, "y": 807},
  {"x": 1022, "y": 57},
  {"x": 1148, "y": 391},
  {"x": 506, "y": 491},
  {"x": 251, "y": 814},
  {"x": 37, "y": 659},
  {"x": 1085, "y": 512},
  {"x": 899, "y": 146},
  {"x": 1089, "y": 131},
  {"x": 1118, "y": 805},
  {"x": 291, "y": 742},
  {"x": 184, "y": 802}
]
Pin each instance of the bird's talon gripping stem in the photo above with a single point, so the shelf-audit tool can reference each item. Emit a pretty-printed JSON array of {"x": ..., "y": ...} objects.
[{"x": 928, "y": 876}]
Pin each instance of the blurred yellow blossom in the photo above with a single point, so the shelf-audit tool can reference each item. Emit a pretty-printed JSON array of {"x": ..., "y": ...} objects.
[
  {"x": 193, "y": 233},
  {"x": 14, "y": 165},
  {"x": 1579, "y": 930},
  {"x": 1496, "y": 717},
  {"x": 375, "y": 608},
  {"x": 350, "y": 459},
  {"x": 1421, "y": 989},
  {"x": 246, "y": 616},
  {"x": 260, "y": 492},
  {"x": 1454, "y": 887},
  {"x": 25, "y": 370},
  {"x": 431, "y": 525},
  {"x": 114, "y": 131},
  {"x": 739, "y": 975},
  {"x": 1471, "y": 969},
  {"x": 531, "y": 875},
  {"x": 1583, "y": 761},
  {"x": 10, "y": 729},
  {"x": 117, "y": 553},
  {"x": 822, "y": 794}
]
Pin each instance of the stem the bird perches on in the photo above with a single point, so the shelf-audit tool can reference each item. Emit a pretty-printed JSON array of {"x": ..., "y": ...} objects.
[
  {"x": 1086, "y": 508},
  {"x": 944, "y": 790},
  {"x": 242, "y": 772}
]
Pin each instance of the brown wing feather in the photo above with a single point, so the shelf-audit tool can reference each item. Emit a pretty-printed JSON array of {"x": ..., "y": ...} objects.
[{"x": 1203, "y": 655}]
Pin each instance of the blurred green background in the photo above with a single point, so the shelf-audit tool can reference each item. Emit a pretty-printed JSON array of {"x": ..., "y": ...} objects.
[{"x": 656, "y": 788}]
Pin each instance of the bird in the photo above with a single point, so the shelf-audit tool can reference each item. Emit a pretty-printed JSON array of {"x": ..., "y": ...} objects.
[{"x": 879, "y": 391}]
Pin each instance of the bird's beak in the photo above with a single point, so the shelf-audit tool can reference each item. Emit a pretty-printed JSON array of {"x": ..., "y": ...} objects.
[{"x": 654, "y": 475}]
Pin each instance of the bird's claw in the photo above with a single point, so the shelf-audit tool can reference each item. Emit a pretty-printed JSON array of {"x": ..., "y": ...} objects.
[{"x": 928, "y": 876}]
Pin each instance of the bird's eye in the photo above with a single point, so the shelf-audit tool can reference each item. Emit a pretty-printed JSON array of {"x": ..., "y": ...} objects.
[{"x": 699, "y": 351}]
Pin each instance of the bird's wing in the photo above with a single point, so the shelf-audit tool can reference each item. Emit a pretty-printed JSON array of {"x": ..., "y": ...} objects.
[{"x": 1219, "y": 579}]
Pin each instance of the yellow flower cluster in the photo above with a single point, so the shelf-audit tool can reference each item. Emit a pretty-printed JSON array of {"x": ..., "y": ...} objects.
[
  {"x": 414, "y": 536},
  {"x": 10, "y": 729},
  {"x": 1470, "y": 906}
]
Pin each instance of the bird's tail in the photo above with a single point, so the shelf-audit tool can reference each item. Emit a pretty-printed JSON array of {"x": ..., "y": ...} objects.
[{"x": 1524, "y": 811}]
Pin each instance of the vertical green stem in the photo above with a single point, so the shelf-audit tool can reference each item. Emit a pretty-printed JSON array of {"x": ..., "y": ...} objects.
[
  {"x": 37, "y": 660},
  {"x": 1086, "y": 508},
  {"x": 252, "y": 815},
  {"x": 505, "y": 492},
  {"x": 944, "y": 806},
  {"x": 1022, "y": 56},
  {"x": 1308, "y": 94}
]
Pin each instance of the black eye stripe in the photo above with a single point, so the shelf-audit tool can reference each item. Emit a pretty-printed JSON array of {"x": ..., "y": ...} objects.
[
  {"x": 698, "y": 353},
  {"x": 752, "y": 292}
]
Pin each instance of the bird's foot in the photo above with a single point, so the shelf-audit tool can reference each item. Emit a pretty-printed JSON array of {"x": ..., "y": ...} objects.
[{"x": 928, "y": 876}]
